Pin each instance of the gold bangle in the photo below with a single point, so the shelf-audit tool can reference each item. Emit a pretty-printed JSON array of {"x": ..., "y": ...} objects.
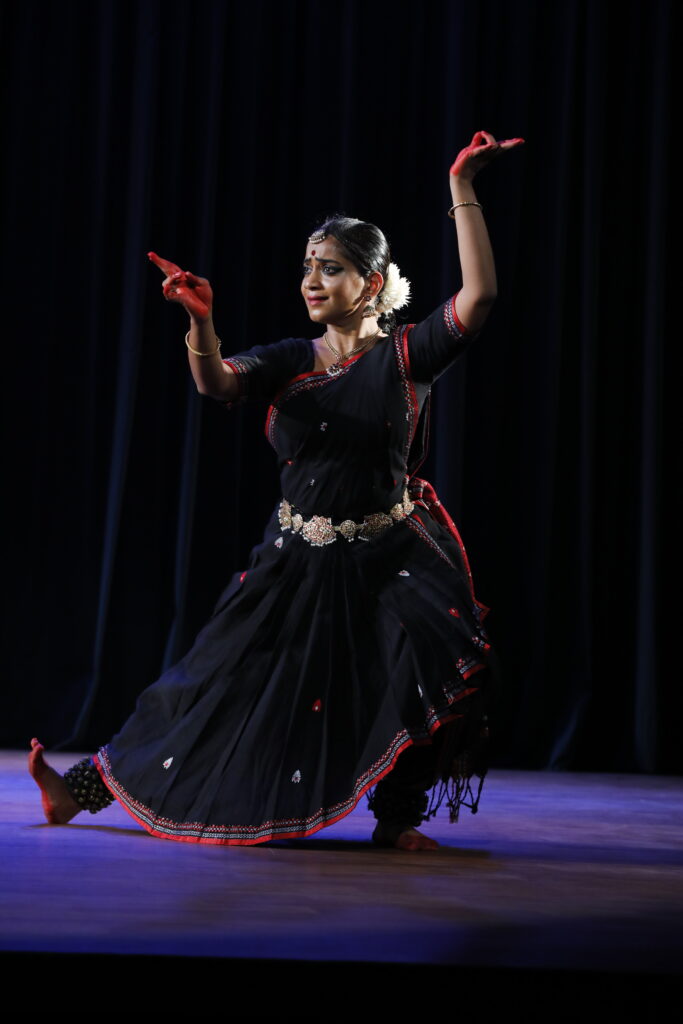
[
  {"x": 203, "y": 355},
  {"x": 451, "y": 212}
]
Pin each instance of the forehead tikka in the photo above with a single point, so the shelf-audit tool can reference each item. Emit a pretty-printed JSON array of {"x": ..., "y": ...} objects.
[{"x": 318, "y": 236}]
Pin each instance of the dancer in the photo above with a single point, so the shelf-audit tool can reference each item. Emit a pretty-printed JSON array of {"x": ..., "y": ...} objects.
[{"x": 350, "y": 655}]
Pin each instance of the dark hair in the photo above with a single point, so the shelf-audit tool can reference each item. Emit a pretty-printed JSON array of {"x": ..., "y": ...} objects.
[{"x": 367, "y": 248}]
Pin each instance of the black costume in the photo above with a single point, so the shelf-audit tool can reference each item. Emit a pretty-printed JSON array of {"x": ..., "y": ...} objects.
[{"x": 353, "y": 633}]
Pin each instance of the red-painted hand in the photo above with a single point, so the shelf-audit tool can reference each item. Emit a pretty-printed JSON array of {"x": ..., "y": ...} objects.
[
  {"x": 193, "y": 293},
  {"x": 482, "y": 149}
]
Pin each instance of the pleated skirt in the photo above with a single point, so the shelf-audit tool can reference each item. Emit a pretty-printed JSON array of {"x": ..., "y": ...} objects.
[{"x": 317, "y": 668}]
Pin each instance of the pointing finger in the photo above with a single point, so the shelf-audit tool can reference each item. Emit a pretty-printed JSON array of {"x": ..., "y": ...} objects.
[
  {"x": 165, "y": 266},
  {"x": 511, "y": 143}
]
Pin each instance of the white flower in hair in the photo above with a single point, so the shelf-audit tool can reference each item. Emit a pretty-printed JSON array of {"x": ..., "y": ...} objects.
[{"x": 396, "y": 291}]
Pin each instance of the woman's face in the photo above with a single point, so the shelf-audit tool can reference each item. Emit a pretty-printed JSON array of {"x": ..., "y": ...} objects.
[{"x": 334, "y": 291}]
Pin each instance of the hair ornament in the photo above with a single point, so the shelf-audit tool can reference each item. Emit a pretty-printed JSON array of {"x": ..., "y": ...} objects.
[{"x": 396, "y": 291}]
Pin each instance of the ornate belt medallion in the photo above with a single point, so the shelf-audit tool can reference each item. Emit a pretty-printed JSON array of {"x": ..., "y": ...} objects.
[{"x": 320, "y": 530}]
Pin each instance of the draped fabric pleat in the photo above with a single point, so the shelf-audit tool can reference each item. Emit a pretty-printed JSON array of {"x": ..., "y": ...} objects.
[{"x": 219, "y": 134}]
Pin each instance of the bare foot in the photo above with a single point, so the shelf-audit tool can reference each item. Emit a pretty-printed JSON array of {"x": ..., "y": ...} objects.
[
  {"x": 408, "y": 839},
  {"x": 411, "y": 839},
  {"x": 58, "y": 804}
]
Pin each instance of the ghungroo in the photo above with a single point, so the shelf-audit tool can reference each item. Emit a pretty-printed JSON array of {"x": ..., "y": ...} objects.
[
  {"x": 396, "y": 804},
  {"x": 86, "y": 787}
]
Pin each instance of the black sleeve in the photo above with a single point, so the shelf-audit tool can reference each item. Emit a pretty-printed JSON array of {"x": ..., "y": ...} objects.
[
  {"x": 262, "y": 371},
  {"x": 435, "y": 343}
]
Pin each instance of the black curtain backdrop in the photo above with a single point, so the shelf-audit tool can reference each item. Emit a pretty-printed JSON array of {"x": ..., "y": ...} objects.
[{"x": 219, "y": 134}]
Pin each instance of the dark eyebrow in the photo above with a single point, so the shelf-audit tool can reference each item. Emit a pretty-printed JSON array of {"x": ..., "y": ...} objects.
[{"x": 318, "y": 260}]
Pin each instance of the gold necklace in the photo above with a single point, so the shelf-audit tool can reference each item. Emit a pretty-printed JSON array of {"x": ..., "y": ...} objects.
[{"x": 335, "y": 368}]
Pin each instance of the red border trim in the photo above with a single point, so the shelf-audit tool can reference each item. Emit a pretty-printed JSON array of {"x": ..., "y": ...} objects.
[
  {"x": 423, "y": 494},
  {"x": 472, "y": 671},
  {"x": 453, "y": 529},
  {"x": 301, "y": 833},
  {"x": 460, "y": 325},
  {"x": 282, "y": 395},
  {"x": 316, "y": 373},
  {"x": 240, "y": 372}
]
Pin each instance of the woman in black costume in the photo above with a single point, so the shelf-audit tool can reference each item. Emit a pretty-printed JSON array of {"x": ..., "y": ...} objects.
[{"x": 350, "y": 654}]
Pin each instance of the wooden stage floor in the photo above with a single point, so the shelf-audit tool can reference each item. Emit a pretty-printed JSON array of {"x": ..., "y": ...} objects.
[{"x": 557, "y": 872}]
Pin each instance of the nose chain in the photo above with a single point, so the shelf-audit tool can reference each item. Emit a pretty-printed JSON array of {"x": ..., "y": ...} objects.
[{"x": 334, "y": 368}]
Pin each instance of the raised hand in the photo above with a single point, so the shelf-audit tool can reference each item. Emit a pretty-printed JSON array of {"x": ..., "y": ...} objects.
[
  {"x": 482, "y": 150},
  {"x": 191, "y": 292}
]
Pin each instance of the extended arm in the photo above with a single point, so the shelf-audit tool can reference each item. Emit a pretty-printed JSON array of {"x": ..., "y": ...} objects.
[
  {"x": 210, "y": 373},
  {"x": 479, "y": 288}
]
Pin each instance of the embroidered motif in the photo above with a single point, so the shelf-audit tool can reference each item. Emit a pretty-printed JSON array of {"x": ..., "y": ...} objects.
[
  {"x": 296, "y": 777},
  {"x": 419, "y": 690},
  {"x": 323, "y": 425},
  {"x": 454, "y": 612},
  {"x": 468, "y": 666},
  {"x": 278, "y": 542},
  {"x": 167, "y": 763},
  {"x": 317, "y": 705},
  {"x": 243, "y": 576},
  {"x": 403, "y": 572}
]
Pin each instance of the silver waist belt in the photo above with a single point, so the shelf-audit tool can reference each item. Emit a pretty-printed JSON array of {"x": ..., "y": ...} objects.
[{"x": 319, "y": 530}]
